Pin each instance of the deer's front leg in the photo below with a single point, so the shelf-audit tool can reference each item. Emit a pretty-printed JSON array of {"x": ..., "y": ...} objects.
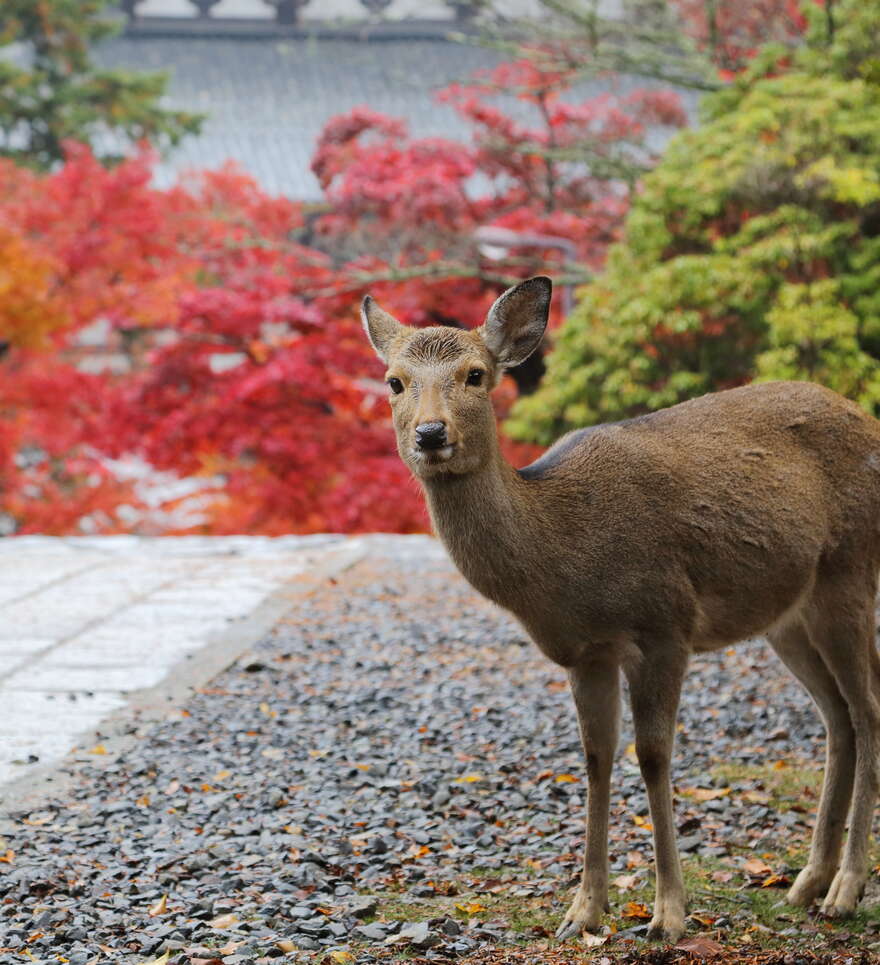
[
  {"x": 655, "y": 687},
  {"x": 596, "y": 692}
]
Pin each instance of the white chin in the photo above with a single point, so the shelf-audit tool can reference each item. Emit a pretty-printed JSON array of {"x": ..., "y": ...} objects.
[{"x": 429, "y": 457}]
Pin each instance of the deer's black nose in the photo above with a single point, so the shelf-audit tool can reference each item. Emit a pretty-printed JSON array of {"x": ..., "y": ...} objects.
[{"x": 431, "y": 435}]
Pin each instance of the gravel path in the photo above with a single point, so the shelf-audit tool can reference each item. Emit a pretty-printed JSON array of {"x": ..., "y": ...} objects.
[{"x": 394, "y": 736}]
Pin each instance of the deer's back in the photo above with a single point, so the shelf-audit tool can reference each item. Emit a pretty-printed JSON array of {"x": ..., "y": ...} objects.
[{"x": 717, "y": 511}]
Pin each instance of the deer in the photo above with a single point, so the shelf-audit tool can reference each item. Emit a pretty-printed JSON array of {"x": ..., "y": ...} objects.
[{"x": 628, "y": 547}]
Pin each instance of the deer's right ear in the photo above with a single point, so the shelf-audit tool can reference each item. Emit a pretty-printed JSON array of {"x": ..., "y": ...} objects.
[{"x": 381, "y": 328}]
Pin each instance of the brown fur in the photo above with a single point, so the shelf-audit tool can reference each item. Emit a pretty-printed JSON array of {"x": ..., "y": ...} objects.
[{"x": 631, "y": 546}]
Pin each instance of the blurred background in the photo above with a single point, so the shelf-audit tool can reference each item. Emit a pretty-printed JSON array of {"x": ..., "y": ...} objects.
[{"x": 196, "y": 194}]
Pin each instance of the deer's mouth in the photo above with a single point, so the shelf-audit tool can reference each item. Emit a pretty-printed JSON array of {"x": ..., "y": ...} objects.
[{"x": 434, "y": 457}]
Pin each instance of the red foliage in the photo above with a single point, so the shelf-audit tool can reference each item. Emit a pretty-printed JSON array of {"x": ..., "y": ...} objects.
[
  {"x": 731, "y": 31},
  {"x": 229, "y": 347}
]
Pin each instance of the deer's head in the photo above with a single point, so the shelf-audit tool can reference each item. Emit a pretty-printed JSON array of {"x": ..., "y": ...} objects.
[{"x": 439, "y": 379}]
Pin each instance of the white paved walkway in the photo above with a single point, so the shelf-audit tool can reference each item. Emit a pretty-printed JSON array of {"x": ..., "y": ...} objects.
[{"x": 87, "y": 622}]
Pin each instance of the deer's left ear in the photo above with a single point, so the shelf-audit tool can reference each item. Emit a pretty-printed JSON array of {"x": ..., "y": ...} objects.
[
  {"x": 516, "y": 322},
  {"x": 381, "y": 328}
]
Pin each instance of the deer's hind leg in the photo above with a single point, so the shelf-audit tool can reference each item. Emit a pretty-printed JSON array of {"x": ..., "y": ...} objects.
[
  {"x": 794, "y": 648},
  {"x": 596, "y": 692},
  {"x": 841, "y": 627}
]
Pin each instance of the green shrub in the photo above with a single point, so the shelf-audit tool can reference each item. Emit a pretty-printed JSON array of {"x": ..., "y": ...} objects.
[{"x": 752, "y": 252}]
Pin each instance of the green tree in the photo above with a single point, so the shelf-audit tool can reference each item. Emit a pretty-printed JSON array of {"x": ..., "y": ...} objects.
[
  {"x": 753, "y": 250},
  {"x": 51, "y": 91}
]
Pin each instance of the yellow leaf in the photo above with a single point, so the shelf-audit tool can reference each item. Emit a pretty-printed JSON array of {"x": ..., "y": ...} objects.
[
  {"x": 98, "y": 749},
  {"x": 143, "y": 801},
  {"x": 7, "y": 858},
  {"x": 635, "y": 909},
  {"x": 566, "y": 779},
  {"x": 221, "y": 775},
  {"x": 159, "y": 908},
  {"x": 631, "y": 752},
  {"x": 468, "y": 779},
  {"x": 286, "y": 945},
  {"x": 267, "y": 710},
  {"x": 471, "y": 908},
  {"x": 342, "y": 957}
]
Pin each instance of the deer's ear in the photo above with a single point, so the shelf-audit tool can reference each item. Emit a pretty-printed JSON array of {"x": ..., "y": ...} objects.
[
  {"x": 516, "y": 322},
  {"x": 381, "y": 328}
]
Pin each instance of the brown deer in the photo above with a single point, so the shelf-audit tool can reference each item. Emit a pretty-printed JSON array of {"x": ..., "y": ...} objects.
[{"x": 628, "y": 547}]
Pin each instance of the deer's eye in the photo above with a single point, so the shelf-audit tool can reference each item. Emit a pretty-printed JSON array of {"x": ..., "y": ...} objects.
[
  {"x": 395, "y": 385},
  {"x": 475, "y": 377}
]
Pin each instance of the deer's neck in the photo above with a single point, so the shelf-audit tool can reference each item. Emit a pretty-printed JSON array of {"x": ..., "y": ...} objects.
[{"x": 488, "y": 522}]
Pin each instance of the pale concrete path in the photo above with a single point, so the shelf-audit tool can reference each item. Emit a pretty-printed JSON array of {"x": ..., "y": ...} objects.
[{"x": 89, "y": 623}]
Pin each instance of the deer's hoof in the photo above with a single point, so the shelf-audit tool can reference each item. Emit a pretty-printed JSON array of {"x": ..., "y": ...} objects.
[
  {"x": 810, "y": 884},
  {"x": 668, "y": 922},
  {"x": 585, "y": 914},
  {"x": 844, "y": 894}
]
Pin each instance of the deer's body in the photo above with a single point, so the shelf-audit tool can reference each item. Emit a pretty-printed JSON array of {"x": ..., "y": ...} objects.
[
  {"x": 628, "y": 547},
  {"x": 708, "y": 520}
]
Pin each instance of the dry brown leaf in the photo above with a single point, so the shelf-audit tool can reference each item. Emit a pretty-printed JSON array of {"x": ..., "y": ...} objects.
[
  {"x": 722, "y": 877},
  {"x": 706, "y": 793},
  {"x": 286, "y": 945},
  {"x": 593, "y": 941},
  {"x": 173, "y": 787},
  {"x": 700, "y": 945},
  {"x": 634, "y": 859},
  {"x": 757, "y": 868},
  {"x": 224, "y": 921},
  {"x": 159, "y": 908},
  {"x": 624, "y": 882},
  {"x": 230, "y": 948},
  {"x": 161, "y": 960}
]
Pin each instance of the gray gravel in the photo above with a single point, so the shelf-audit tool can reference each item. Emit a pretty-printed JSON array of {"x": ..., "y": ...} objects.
[{"x": 394, "y": 734}]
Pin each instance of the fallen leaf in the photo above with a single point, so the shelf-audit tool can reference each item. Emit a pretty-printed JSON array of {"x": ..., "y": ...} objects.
[
  {"x": 98, "y": 749},
  {"x": 342, "y": 957},
  {"x": 634, "y": 859},
  {"x": 624, "y": 882},
  {"x": 776, "y": 881},
  {"x": 780, "y": 765},
  {"x": 161, "y": 960},
  {"x": 706, "y": 793},
  {"x": 593, "y": 941},
  {"x": 641, "y": 822},
  {"x": 471, "y": 908},
  {"x": 468, "y": 779},
  {"x": 224, "y": 921},
  {"x": 221, "y": 775},
  {"x": 173, "y": 787},
  {"x": 7, "y": 858},
  {"x": 705, "y": 920},
  {"x": 756, "y": 797},
  {"x": 159, "y": 908},
  {"x": 722, "y": 877},
  {"x": 757, "y": 868},
  {"x": 566, "y": 779},
  {"x": 700, "y": 945},
  {"x": 635, "y": 909},
  {"x": 143, "y": 801},
  {"x": 230, "y": 948},
  {"x": 286, "y": 945}
]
